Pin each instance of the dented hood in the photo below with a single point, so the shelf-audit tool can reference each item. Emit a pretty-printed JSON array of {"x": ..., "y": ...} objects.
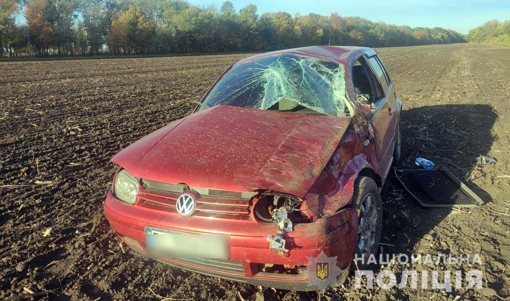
[{"x": 237, "y": 149}]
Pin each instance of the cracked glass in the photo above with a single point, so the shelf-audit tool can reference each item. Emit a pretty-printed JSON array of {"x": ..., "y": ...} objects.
[{"x": 284, "y": 82}]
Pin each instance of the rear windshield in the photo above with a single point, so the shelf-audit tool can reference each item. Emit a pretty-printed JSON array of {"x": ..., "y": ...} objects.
[{"x": 283, "y": 82}]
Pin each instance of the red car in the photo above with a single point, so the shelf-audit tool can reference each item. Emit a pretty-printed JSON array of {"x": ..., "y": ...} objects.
[{"x": 281, "y": 162}]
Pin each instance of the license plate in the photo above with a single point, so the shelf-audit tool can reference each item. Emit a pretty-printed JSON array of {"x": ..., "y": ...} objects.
[{"x": 164, "y": 243}]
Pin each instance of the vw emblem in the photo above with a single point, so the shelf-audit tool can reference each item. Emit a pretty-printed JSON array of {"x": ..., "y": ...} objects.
[{"x": 185, "y": 204}]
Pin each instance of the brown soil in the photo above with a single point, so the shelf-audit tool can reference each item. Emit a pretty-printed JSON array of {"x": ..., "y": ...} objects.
[{"x": 61, "y": 122}]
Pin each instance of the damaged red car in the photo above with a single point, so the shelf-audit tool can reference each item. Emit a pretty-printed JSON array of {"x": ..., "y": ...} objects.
[{"x": 283, "y": 160}]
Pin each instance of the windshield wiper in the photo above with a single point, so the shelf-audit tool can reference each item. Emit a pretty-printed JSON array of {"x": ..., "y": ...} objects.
[{"x": 201, "y": 104}]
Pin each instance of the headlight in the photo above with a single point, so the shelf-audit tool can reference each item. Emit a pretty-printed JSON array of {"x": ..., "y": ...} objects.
[{"x": 125, "y": 187}]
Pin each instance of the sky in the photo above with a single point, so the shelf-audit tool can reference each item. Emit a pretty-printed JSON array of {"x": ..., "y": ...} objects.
[{"x": 459, "y": 15}]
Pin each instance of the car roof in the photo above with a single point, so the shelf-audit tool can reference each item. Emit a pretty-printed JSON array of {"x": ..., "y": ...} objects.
[{"x": 340, "y": 54}]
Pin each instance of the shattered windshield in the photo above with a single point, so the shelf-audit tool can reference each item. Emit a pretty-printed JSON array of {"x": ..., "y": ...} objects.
[{"x": 283, "y": 82}]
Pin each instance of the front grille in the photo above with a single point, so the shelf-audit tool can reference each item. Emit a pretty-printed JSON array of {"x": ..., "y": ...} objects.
[
  {"x": 226, "y": 269},
  {"x": 212, "y": 203},
  {"x": 216, "y": 264}
]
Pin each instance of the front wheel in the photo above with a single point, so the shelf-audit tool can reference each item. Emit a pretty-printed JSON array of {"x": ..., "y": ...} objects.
[{"x": 367, "y": 200}]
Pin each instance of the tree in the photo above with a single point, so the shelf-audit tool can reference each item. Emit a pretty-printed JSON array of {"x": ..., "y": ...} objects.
[
  {"x": 492, "y": 31},
  {"x": 16, "y": 39},
  {"x": 206, "y": 27},
  {"x": 51, "y": 24},
  {"x": 63, "y": 16},
  {"x": 163, "y": 26},
  {"x": 97, "y": 15},
  {"x": 361, "y": 32},
  {"x": 186, "y": 22},
  {"x": 227, "y": 10},
  {"x": 249, "y": 31},
  {"x": 264, "y": 24},
  {"x": 7, "y": 10},
  {"x": 149, "y": 8},
  {"x": 41, "y": 30},
  {"x": 228, "y": 28},
  {"x": 132, "y": 32},
  {"x": 283, "y": 30},
  {"x": 422, "y": 35},
  {"x": 336, "y": 29},
  {"x": 309, "y": 29},
  {"x": 81, "y": 38}
]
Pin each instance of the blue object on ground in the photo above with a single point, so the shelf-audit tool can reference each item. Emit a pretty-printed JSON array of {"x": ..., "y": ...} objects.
[{"x": 427, "y": 164}]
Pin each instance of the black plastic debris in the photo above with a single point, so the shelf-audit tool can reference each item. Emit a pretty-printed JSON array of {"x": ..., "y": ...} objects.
[{"x": 437, "y": 188}]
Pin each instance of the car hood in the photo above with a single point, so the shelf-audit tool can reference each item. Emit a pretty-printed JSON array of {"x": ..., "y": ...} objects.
[{"x": 237, "y": 149}]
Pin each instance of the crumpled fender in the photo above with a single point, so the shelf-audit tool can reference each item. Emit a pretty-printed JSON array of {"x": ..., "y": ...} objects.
[
  {"x": 320, "y": 205},
  {"x": 343, "y": 196}
]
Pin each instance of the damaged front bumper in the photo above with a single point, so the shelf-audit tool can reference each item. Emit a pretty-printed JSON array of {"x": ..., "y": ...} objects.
[{"x": 251, "y": 259}]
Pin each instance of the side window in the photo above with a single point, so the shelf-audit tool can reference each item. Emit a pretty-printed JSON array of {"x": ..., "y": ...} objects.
[
  {"x": 361, "y": 81},
  {"x": 379, "y": 72},
  {"x": 366, "y": 84},
  {"x": 384, "y": 69}
]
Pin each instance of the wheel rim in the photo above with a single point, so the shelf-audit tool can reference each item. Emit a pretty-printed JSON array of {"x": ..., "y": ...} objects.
[{"x": 367, "y": 224}]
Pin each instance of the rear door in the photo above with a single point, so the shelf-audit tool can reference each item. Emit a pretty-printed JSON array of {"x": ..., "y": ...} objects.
[{"x": 384, "y": 117}]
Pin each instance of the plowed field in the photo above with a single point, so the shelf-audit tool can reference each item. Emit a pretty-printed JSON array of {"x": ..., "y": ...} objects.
[{"x": 62, "y": 120}]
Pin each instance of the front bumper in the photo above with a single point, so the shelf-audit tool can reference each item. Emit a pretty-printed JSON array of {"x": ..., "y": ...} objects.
[{"x": 249, "y": 249}]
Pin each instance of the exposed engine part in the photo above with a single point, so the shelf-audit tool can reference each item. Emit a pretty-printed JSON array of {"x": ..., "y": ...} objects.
[
  {"x": 283, "y": 225},
  {"x": 281, "y": 217},
  {"x": 277, "y": 243},
  {"x": 268, "y": 202},
  {"x": 281, "y": 209}
]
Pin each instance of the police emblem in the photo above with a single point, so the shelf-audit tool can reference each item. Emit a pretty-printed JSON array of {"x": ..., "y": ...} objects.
[{"x": 323, "y": 271}]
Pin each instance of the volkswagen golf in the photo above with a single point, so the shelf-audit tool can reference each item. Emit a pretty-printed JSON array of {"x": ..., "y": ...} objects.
[{"x": 275, "y": 177}]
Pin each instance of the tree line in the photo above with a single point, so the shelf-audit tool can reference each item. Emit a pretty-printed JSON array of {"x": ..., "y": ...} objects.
[
  {"x": 491, "y": 32},
  {"x": 71, "y": 27}
]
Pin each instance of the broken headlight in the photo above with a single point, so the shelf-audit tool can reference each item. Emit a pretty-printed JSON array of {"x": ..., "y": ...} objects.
[
  {"x": 281, "y": 209},
  {"x": 125, "y": 187},
  {"x": 269, "y": 205}
]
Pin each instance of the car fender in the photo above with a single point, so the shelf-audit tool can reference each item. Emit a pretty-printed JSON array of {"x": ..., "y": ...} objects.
[
  {"x": 343, "y": 196},
  {"x": 323, "y": 205}
]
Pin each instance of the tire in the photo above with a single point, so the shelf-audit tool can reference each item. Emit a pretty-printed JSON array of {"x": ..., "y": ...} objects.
[
  {"x": 397, "y": 152},
  {"x": 367, "y": 200}
]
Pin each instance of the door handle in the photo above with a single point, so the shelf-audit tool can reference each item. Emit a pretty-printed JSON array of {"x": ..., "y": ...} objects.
[{"x": 390, "y": 111}]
